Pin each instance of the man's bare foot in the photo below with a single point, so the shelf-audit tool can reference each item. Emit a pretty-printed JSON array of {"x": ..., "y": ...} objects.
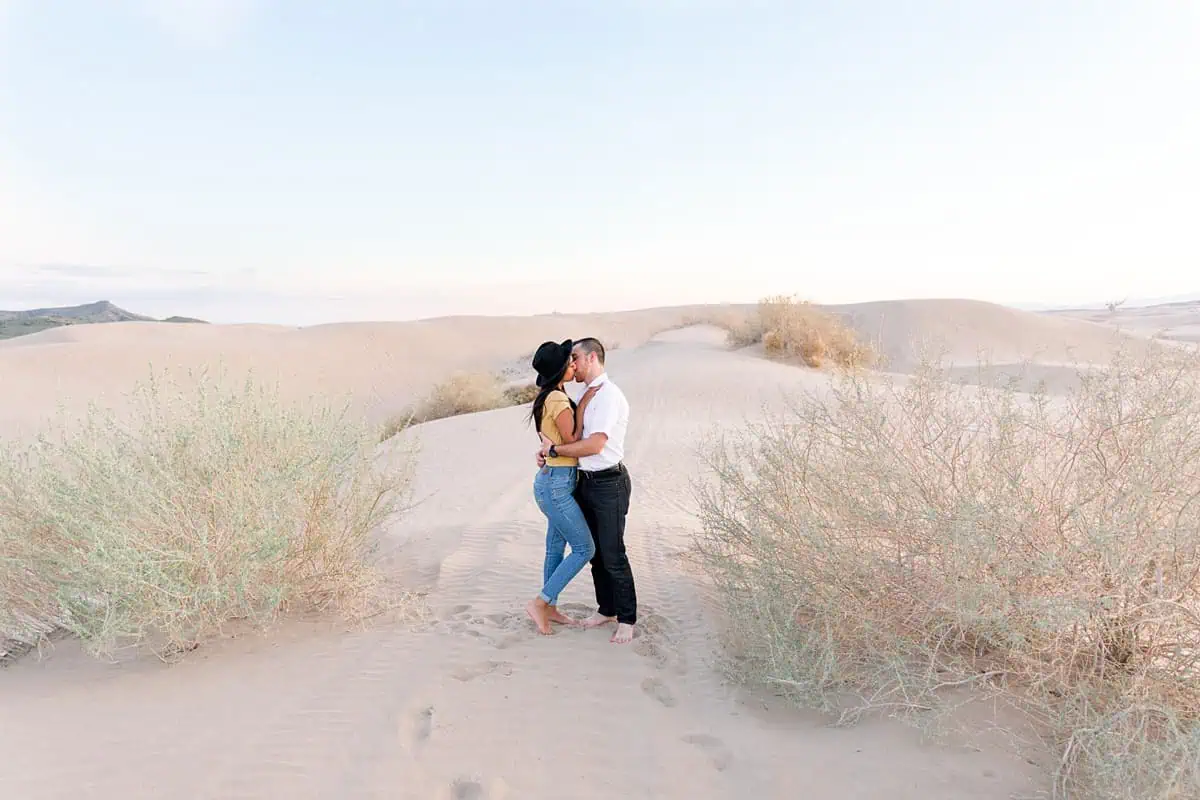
[
  {"x": 538, "y": 611},
  {"x": 596, "y": 620},
  {"x": 554, "y": 615},
  {"x": 623, "y": 634}
]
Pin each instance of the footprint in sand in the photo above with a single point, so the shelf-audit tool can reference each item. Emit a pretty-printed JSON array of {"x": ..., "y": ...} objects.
[
  {"x": 646, "y": 647},
  {"x": 713, "y": 747},
  {"x": 504, "y": 642},
  {"x": 507, "y": 621},
  {"x": 423, "y": 725},
  {"x": 659, "y": 691},
  {"x": 660, "y": 653},
  {"x": 458, "y": 612},
  {"x": 487, "y": 633},
  {"x": 658, "y": 625},
  {"x": 473, "y": 671},
  {"x": 466, "y": 790},
  {"x": 577, "y": 609},
  {"x": 471, "y": 789}
]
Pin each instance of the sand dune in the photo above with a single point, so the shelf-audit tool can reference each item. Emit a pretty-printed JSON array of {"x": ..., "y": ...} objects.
[
  {"x": 475, "y": 704},
  {"x": 376, "y": 367},
  {"x": 379, "y": 367},
  {"x": 970, "y": 329},
  {"x": 1172, "y": 321}
]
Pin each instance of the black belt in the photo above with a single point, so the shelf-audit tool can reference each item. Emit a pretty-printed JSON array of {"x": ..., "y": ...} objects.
[{"x": 607, "y": 472}]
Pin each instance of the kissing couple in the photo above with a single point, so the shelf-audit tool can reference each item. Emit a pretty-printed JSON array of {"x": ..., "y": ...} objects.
[{"x": 582, "y": 486}]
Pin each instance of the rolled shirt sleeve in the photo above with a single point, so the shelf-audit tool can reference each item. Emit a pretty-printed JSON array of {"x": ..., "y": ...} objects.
[{"x": 555, "y": 405}]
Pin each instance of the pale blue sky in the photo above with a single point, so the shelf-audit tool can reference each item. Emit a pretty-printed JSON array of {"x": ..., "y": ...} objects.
[{"x": 307, "y": 161}]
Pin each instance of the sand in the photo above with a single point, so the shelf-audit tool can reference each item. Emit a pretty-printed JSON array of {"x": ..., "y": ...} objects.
[
  {"x": 966, "y": 331},
  {"x": 378, "y": 368},
  {"x": 1178, "y": 322},
  {"x": 473, "y": 703}
]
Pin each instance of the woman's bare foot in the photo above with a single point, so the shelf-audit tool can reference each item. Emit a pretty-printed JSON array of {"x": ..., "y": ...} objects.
[
  {"x": 538, "y": 611},
  {"x": 554, "y": 615},
  {"x": 597, "y": 620},
  {"x": 623, "y": 634}
]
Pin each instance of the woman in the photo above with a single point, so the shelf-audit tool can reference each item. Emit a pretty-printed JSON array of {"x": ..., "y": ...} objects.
[{"x": 555, "y": 415}]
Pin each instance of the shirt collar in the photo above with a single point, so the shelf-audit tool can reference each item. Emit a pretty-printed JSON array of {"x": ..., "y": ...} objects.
[{"x": 599, "y": 379}]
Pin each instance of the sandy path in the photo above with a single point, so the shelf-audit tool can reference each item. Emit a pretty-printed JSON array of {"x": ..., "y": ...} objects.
[{"x": 477, "y": 705}]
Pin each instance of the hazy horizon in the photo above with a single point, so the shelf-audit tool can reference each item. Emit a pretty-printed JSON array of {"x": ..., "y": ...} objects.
[
  {"x": 451, "y": 306},
  {"x": 261, "y": 161}
]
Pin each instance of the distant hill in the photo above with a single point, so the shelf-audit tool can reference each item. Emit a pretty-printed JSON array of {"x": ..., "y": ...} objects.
[{"x": 22, "y": 323}]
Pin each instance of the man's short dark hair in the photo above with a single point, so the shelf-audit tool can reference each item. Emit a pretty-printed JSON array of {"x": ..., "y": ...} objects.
[{"x": 591, "y": 345}]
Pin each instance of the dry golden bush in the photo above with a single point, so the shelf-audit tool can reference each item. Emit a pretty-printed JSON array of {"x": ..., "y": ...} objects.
[
  {"x": 520, "y": 395},
  {"x": 795, "y": 329},
  {"x": 461, "y": 393},
  {"x": 790, "y": 328},
  {"x": 905, "y": 539}
]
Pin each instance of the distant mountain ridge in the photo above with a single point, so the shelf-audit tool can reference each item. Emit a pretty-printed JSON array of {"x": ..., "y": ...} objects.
[{"x": 23, "y": 323}]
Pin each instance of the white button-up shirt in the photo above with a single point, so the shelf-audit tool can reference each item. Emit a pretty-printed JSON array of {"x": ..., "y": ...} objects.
[{"x": 607, "y": 413}]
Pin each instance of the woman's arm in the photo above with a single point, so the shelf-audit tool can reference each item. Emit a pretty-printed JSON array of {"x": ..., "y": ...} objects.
[{"x": 567, "y": 428}]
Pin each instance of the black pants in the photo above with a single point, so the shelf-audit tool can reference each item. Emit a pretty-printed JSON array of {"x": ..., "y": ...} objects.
[{"x": 603, "y": 497}]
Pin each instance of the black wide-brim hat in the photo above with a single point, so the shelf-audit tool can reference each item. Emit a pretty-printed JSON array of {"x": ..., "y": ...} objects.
[{"x": 551, "y": 359}]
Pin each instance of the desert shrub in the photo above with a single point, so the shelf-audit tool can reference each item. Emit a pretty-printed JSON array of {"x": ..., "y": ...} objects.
[
  {"x": 790, "y": 328},
  {"x": 461, "y": 393},
  {"x": 395, "y": 424},
  {"x": 27, "y": 598},
  {"x": 889, "y": 540},
  {"x": 742, "y": 331},
  {"x": 796, "y": 329},
  {"x": 203, "y": 506},
  {"x": 520, "y": 395}
]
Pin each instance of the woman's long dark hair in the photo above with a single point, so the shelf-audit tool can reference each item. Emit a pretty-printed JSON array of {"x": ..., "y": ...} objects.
[{"x": 539, "y": 402}]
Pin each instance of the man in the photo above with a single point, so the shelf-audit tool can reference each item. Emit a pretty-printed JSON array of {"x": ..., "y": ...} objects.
[{"x": 604, "y": 488}]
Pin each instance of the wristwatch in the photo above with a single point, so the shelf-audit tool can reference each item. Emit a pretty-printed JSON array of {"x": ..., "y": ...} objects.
[{"x": 552, "y": 452}]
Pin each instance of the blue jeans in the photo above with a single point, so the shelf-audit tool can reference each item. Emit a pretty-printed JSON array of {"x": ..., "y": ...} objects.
[{"x": 554, "y": 491}]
